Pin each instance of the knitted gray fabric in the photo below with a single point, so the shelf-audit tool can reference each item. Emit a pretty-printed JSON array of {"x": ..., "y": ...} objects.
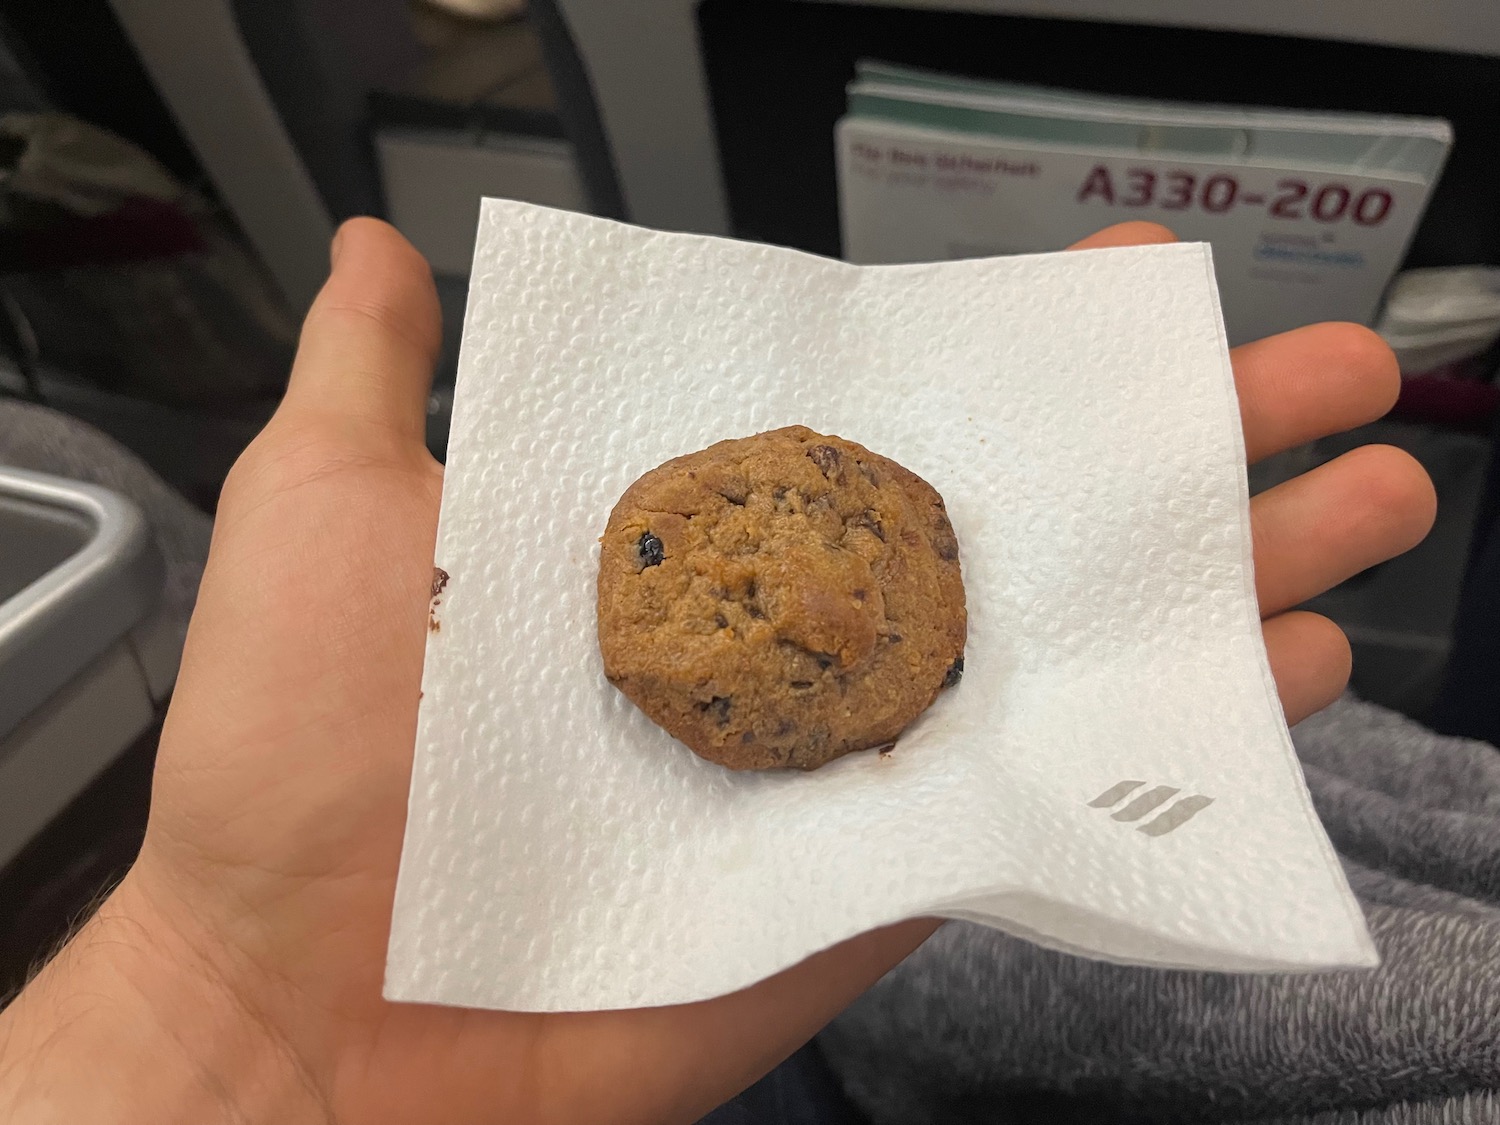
[
  {"x": 980, "y": 1027},
  {"x": 45, "y": 441}
]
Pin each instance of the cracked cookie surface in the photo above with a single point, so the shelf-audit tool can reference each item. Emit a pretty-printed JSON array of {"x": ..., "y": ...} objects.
[{"x": 781, "y": 600}]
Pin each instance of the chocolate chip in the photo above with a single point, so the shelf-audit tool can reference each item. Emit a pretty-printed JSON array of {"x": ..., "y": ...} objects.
[
  {"x": 802, "y": 685},
  {"x": 895, "y": 638},
  {"x": 943, "y": 539},
  {"x": 955, "y": 673},
  {"x": 826, "y": 458},
  {"x": 748, "y": 737},
  {"x": 869, "y": 475},
  {"x": 824, "y": 660},
  {"x": 861, "y": 595},
  {"x": 719, "y": 705},
  {"x": 871, "y": 523},
  {"x": 785, "y": 727},
  {"x": 439, "y": 580},
  {"x": 650, "y": 550},
  {"x": 721, "y": 621}
]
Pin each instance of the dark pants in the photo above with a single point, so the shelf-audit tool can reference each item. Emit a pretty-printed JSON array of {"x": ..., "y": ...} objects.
[{"x": 801, "y": 1091}]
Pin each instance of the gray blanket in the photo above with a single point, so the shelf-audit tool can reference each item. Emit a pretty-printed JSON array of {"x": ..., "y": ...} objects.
[{"x": 978, "y": 1027}]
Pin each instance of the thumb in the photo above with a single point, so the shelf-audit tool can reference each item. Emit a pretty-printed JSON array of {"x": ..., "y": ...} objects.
[{"x": 372, "y": 335}]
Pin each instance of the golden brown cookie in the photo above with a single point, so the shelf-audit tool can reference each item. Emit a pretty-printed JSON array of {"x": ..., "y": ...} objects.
[{"x": 782, "y": 599}]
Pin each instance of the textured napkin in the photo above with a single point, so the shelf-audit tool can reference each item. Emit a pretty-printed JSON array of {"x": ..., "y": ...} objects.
[{"x": 1113, "y": 776}]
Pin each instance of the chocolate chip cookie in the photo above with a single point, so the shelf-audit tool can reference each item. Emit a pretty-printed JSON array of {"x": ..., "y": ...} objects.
[{"x": 782, "y": 599}]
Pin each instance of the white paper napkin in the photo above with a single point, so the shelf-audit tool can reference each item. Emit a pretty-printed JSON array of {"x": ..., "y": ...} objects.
[{"x": 1113, "y": 776}]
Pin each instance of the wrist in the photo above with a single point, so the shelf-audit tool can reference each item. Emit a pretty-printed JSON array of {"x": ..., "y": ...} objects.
[{"x": 130, "y": 1022}]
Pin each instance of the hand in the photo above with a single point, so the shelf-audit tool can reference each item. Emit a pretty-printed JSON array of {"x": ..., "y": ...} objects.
[
  {"x": 236, "y": 972},
  {"x": 1329, "y": 524}
]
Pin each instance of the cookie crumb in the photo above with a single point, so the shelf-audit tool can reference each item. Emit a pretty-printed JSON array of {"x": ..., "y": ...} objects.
[{"x": 439, "y": 584}]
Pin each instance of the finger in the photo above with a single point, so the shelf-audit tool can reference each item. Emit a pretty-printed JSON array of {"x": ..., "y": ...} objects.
[
  {"x": 1318, "y": 529},
  {"x": 1312, "y": 382},
  {"x": 371, "y": 338},
  {"x": 1310, "y": 662},
  {"x": 1300, "y": 385},
  {"x": 1126, "y": 234}
]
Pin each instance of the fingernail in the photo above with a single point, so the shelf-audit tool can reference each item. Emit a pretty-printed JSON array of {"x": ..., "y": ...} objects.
[{"x": 334, "y": 246}]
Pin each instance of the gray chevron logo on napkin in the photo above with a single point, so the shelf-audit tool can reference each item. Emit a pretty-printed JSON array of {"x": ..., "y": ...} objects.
[{"x": 1171, "y": 819}]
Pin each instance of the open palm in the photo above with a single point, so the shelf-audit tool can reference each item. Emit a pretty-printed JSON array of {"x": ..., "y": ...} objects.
[{"x": 281, "y": 786}]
